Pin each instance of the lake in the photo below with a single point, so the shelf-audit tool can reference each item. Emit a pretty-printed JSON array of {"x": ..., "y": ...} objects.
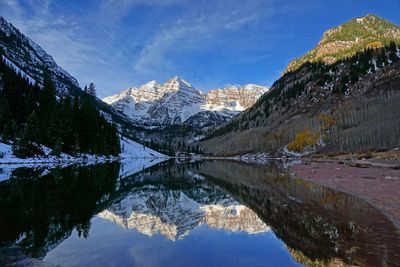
[{"x": 206, "y": 213}]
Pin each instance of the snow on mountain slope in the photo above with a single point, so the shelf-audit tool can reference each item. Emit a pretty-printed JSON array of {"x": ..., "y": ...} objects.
[
  {"x": 131, "y": 149},
  {"x": 177, "y": 101},
  {"x": 32, "y": 59},
  {"x": 18, "y": 70}
]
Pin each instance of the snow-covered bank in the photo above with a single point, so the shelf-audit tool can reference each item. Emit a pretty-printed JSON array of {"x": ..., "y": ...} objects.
[
  {"x": 134, "y": 158},
  {"x": 7, "y": 157},
  {"x": 129, "y": 166},
  {"x": 9, "y": 162},
  {"x": 129, "y": 148}
]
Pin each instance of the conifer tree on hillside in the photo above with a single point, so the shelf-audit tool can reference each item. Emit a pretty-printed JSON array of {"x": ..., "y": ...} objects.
[
  {"x": 91, "y": 90},
  {"x": 47, "y": 104},
  {"x": 30, "y": 115},
  {"x": 32, "y": 132}
]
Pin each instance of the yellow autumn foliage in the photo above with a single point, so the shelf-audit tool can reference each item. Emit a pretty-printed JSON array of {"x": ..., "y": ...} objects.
[
  {"x": 327, "y": 120},
  {"x": 303, "y": 139},
  {"x": 375, "y": 45}
]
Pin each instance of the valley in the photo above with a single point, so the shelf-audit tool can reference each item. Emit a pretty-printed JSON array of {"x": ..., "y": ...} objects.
[
  {"x": 302, "y": 171},
  {"x": 338, "y": 98}
]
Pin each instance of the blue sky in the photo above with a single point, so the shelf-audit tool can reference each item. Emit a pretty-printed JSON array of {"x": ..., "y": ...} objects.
[{"x": 122, "y": 43}]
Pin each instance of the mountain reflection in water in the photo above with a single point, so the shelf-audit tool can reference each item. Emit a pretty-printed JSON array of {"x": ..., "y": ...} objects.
[
  {"x": 223, "y": 210},
  {"x": 173, "y": 213}
]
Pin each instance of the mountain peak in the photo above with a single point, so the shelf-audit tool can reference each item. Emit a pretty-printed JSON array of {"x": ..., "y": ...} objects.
[
  {"x": 179, "y": 80},
  {"x": 176, "y": 84},
  {"x": 7, "y": 27},
  {"x": 151, "y": 83},
  {"x": 349, "y": 38},
  {"x": 369, "y": 26},
  {"x": 368, "y": 17}
]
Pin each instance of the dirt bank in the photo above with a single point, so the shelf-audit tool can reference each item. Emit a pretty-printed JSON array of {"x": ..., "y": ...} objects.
[{"x": 373, "y": 180}]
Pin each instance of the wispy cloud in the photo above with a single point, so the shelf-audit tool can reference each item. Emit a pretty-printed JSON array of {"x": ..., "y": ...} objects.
[
  {"x": 61, "y": 36},
  {"x": 119, "y": 43},
  {"x": 202, "y": 28}
]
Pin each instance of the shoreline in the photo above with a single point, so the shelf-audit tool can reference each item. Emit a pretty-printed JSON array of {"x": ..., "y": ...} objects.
[
  {"x": 74, "y": 161},
  {"x": 374, "y": 180},
  {"x": 7, "y": 167},
  {"x": 376, "y": 183},
  {"x": 373, "y": 177}
]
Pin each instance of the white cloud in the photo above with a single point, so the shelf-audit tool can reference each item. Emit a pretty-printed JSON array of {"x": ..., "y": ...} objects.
[
  {"x": 117, "y": 9},
  {"x": 201, "y": 29},
  {"x": 106, "y": 43},
  {"x": 10, "y": 7},
  {"x": 59, "y": 36}
]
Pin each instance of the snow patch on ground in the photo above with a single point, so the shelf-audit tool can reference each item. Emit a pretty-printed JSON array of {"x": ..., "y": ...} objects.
[
  {"x": 129, "y": 148},
  {"x": 7, "y": 157},
  {"x": 9, "y": 162}
]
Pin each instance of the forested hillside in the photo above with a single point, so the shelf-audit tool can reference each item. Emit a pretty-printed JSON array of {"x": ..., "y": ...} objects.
[
  {"x": 32, "y": 114},
  {"x": 349, "y": 105}
]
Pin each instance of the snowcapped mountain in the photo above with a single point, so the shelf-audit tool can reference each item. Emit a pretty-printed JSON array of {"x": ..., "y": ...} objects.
[
  {"x": 174, "y": 213},
  {"x": 174, "y": 102},
  {"x": 32, "y": 59},
  {"x": 177, "y": 102}
]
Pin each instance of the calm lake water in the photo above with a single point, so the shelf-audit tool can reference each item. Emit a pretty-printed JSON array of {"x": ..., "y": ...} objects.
[{"x": 211, "y": 213}]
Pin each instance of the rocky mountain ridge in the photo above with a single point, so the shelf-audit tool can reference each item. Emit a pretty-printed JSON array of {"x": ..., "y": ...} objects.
[{"x": 178, "y": 102}]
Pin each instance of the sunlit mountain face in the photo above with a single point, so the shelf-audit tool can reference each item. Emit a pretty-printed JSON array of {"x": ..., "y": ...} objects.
[{"x": 177, "y": 102}]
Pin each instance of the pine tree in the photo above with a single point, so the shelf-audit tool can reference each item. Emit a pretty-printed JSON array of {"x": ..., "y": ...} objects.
[
  {"x": 32, "y": 129},
  {"x": 23, "y": 147},
  {"x": 393, "y": 52},
  {"x": 57, "y": 148},
  {"x": 91, "y": 90},
  {"x": 30, "y": 115},
  {"x": 67, "y": 131},
  {"x": 5, "y": 119},
  {"x": 381, "y": 59},
  {"x": 47, "y": 103}
]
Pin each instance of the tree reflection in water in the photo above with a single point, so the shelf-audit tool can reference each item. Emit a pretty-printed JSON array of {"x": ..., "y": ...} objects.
[{"x": 319, "y": 226}]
